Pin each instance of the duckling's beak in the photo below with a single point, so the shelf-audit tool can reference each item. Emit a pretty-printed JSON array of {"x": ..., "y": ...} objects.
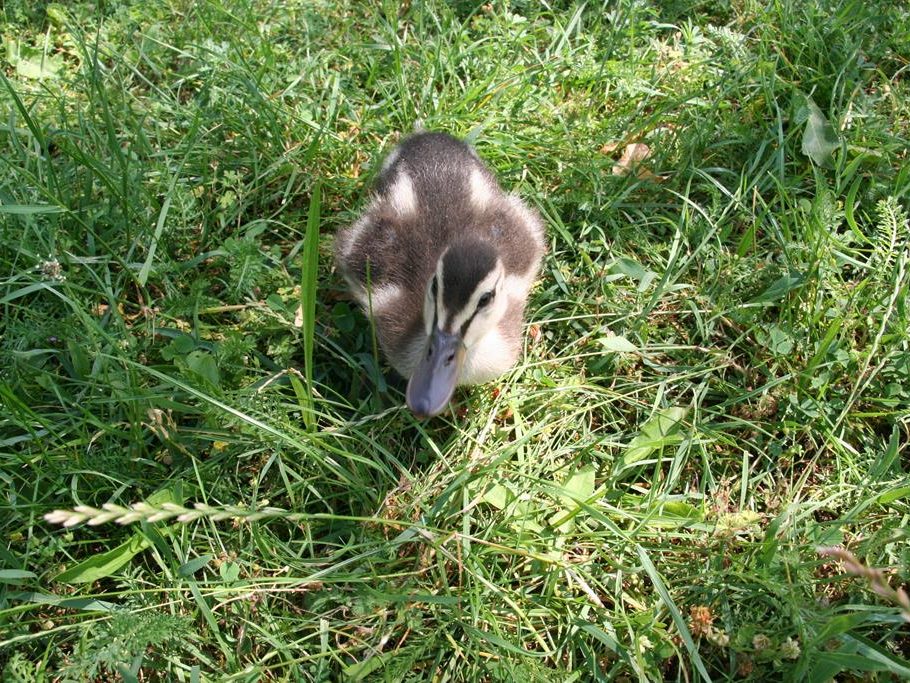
[{"x": 433, "y": 381}]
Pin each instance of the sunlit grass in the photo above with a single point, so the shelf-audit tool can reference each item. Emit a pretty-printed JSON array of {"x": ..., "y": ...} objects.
[{"x": 714, "y": 386}]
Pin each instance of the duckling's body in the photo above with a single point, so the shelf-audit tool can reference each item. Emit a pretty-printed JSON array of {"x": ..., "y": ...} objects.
[{"x": 443, "y": 260}]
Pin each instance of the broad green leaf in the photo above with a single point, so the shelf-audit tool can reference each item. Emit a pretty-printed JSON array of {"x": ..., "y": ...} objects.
[
  {"x": 664, "y": 422},
  {"x": 30, "y": 209},
  {"x": 879, "y": 656},
  {"x": 629, "y": 267},
  {"x": 562, "y": 521},
  {"x": 79, "y": 359},
  {"x": 183, "y": 344},
  {"x": 578, "y": 486},
  {"x": 192, "y": 566},
  {"x": 39, "y": 67},
  {"x": 498, "y": 495},
  {"x": 678, "y": 508},
  {"x": 523, "y": 515},
  {"x": 56, "y": 14},
  {"x": 527, "y": 529},
  {"x": 203, "y": 364},
  {"x": 823, "y": 667},
  {"x": 344, "y": 318},
  {"x": 30, "y": 62},
  {"x": 780, "y": 288},
  {"x": 887, "y": 462},
  {"x": 633, "y": 269},
  {"x": 840, "y": 623},
  {"x": 98, "y": 566},
  {"x": 16, "y": 575},
  {"x": 826, "y": 665},
  {"x": 825, "y": 534},
  {"x": 780, "y": 342},
  {"x": 172, "y": 494},
  {"x": 361, "y": 670},
  {"x": 671, "y": 514},
  {"x": 229, "y": 571},
  {"x": 275, "y": 302},
  {"x": 660, "y": 430},
  {"x": 618, "y": 344},
  {"x": 893, "y": 495},
  {"x": 820, "y": 139}
]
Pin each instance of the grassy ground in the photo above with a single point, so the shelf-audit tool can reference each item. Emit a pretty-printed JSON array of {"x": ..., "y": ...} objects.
[{"x": 716, "y": 383}]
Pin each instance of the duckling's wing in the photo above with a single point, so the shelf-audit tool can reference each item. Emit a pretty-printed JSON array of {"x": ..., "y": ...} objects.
[
  {"x": 518, "y": 233},
  {"x": 387, "y": 257}
]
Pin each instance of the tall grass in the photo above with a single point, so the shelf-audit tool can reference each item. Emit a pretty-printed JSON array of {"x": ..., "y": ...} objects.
[{"x": 714, "y": 385}]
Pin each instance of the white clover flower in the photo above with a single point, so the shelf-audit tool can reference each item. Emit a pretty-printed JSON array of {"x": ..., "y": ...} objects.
[
  {"x": 789, "y": 649},
  {"x": 761, "y": 642},
  {"x": 51, "y": 269},
  {"x": 719, "y": 637}
]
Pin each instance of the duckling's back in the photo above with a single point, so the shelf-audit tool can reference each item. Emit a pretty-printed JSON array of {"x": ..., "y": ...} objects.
[{"x": 439, "y": 168}]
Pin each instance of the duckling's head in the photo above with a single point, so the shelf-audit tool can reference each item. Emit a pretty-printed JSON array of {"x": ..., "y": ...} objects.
[{"x": 464, "y": 302}]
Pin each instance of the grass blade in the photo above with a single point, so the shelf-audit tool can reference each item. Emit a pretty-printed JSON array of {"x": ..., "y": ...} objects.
[
  {"x": 309, "y": 271},
  {"x": 675, "y": 614}
]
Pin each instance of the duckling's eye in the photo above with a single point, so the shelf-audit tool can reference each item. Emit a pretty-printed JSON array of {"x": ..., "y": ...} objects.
[{"x": 485, "y": 299}]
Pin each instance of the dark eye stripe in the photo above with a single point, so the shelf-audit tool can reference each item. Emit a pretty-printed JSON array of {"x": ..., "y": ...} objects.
[{"x": 434, "y": 289}]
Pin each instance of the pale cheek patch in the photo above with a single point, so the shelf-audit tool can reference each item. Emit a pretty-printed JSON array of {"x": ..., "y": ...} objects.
[
  {"x": 483, "y": 325},
  {"x": 488, "y": 360},
  {"x": 518, "y": 286},
  {"x": 480, "y": 191},
  {"x": 401, "y": 195}
]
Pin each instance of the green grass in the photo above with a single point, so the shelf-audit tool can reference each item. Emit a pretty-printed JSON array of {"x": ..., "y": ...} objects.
[{"x": 716, "y": 385}]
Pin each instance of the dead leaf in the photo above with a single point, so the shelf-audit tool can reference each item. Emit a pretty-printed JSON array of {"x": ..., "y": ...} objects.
[
  {"x": 631, "y": 162},
  {"x": 631, "y": 157}
]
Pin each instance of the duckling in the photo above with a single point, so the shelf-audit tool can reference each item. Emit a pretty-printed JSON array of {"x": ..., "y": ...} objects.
[{"x": 442, "y": 260}]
